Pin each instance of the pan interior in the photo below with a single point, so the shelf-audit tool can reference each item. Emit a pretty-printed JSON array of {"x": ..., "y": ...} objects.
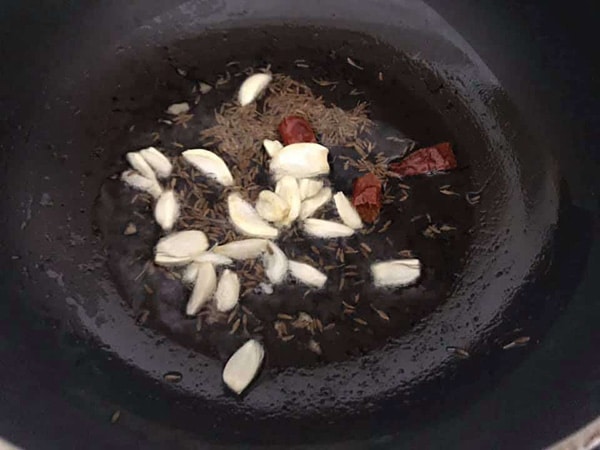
[{"x": 400, "y": 96}]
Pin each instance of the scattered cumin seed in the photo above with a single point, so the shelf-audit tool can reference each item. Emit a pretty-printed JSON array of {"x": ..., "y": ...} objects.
[
  {"x": 348, "y": 305},
  {"x": 115, "y": 416},
  {"x": 288, "y": 338},
  {"x": 385, "y": 227},
  {"x": 366, "y": 247},
  {"x": 360, "y": 321},
  {"x": 314, "y": 347},
  {"x": 148, "y": 289},
  {"x": 518, "y": 342},
  {"x": 460, "y": 352},
  {"x": 285, "y": 316},
  {"x": 173, "y": 377},
  {"x": 329, "y": 326},
  {"x": 380, "y": 313},
  {"x": 353, "y": 64},
  {"x": 341, "y": 285},
  {"x": 235, "y": 326},
  {"x": 142, "y": 317}
]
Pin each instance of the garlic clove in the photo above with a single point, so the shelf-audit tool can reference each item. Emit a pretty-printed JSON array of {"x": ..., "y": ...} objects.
[
  {"x": 137, "y": 181},
  {"x": 209, "y": 164},
  {"x": 313, "y": 204},
  {"x": 287, "y": 188},
  {"x": 307, "y": 274},
  {"x": 309, "y": 188},
  {"x": 206, "y": 283},
  {"x": 271, "y": 206},
  {"x": 190, "y": 274},
  {"x": 160, "y": 259},
  {"x": 272, "y": 147},
  {"x": 246, "y": 219},
  {"x": 228, "y": 291},
  {"x": 252, "y": 87},
  {"x": 244, "y": 249},
  {"x": 243, "y": 366},
  {"x": 178, "y": 108},
  {"x": 214, "y": 258},
  {"x": 159, "y": 162},
  {"x": 204, "y": 88},
  {"x": 347, "y": 212},
  {"x": 137, "y": 162},
  {"x": 166, "y": 210},
  {"x": 326, "y": 228},
  {"x": 275, "y": 263},
  {"x": 396, "y": 273},
  {"x": 187, "y": 243},
  {"x": 300, "y": 160}
]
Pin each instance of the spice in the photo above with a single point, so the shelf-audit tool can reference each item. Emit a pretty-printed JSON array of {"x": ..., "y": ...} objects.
[
  {"x": 437, "y": 158},
  {"x": 366, "y": 197},
  {"x": 293, "y": 129}
]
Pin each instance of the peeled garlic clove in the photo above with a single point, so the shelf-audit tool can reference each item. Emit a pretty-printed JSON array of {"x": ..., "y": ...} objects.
[
  {"x": 271, "y": 206},
  {"x": 209, "y": 164},
  {"x": 137, "y": 162},
  {"x": 326, "y": 228},
  {"x": 166, "y": 210},
  {"x": 137, "y": 181},
  {"x": 275, "y": 263},
  {"x": 206, "y": 283},
  {"x": 214, "y": 258},
  {"x": 346, "y": 211},
  {"x": 159, "y": 162},
  {"x": 396, "y": 273},
  {"x": 170, "y": 261},
  {"x": 309, "y": 188},
  {"x": 178, "y": 108},
  {"x": 190, "y": 273},
  {"x": 300, "y": 160},
  {"x": 241, "y": 250},
  {"x": 246, "y": 219},
  {"x": 252, "y": 87},
  {"x": 287, "y": 188},
  {"x": 312, "y": 205},
  {"x": 272, "y": 147},
  {"x": 187, "y": 243},
  {"x": 243, "y": 366},
  {"x": 307, "y": 274},
  {"x": 228, "y": 291}
]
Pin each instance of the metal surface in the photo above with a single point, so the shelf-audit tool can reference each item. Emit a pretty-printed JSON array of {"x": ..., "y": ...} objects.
[{"x": 70, "y": 345}]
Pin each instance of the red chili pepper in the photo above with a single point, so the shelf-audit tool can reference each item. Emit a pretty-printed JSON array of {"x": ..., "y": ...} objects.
[
  {"x": 295, "y": 129},
  {"x": 426, "y": 160},
  {"x": 366, "y": 197}
]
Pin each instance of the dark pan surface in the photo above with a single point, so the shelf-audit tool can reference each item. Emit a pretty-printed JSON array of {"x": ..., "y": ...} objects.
[{"x": 81, "y": 340}]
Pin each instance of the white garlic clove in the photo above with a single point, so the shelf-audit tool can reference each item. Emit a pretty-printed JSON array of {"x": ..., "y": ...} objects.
[
  {"x": 326, "y": 229},
  {"x": 307, "y": 274},
  {"x": 206, "y": 283},
  {"x": 187, "y": 243},
  {"x": 137, "y": 181},
  {"x": 159, "y": 162},
  {"x": 137, "y": 162},
  {"x": 347, "y": 212},
  {"x": 244, "y": 249},
  {"x": 287, "y": 188},
  {"x": 300, "y": 160},
  {"x": 228, "y": 291},
  {"x": 214, "y": 258},
  {"x": 252, "y": 87},
  {"x": 209, "y": 164},
  {"x": 204, "y": 88},
  {"x": 271, "y": 206},
  {"x": 171, "y": 261},
  {"x": 309, "y": 188},
  {"x": 396, "y": 273},
  {"x": 178, "y": 108},
  {"x": 272, "y": 147},
  {"x": 275, "y": 263},
  {"x": 313, "y": 204},
  {"x": 246, "y": 219},
  {"x": 243, "y": 366},
  {"x": 166, "y": 210},
  {"x": 190, "y": 274}
]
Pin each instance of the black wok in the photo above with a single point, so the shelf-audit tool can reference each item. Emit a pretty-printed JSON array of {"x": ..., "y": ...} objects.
[{"x": 508, "y": 83}]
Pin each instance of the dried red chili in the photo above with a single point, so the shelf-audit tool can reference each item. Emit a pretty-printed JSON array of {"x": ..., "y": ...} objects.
[
  {"x": 366, "y": 197},
  {"x": 426, "y": 160},
  {"x": 295, "y": 129}
]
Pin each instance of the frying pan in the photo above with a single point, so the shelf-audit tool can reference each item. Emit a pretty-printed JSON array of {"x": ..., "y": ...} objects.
[{"x": 76, "y": 77}]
